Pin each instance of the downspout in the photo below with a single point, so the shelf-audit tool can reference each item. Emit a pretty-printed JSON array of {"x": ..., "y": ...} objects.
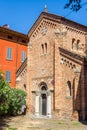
[{"x": 16, "y": 58}]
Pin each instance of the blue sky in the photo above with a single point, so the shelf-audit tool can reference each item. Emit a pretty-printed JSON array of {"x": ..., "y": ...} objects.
[{"x": 20, "y": 15}]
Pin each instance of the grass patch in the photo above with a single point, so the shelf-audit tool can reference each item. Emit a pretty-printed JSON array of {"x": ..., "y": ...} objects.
[
  {"x": 12, "y": 129},
  {"x": 60, "y": 122},
  {"x": 48, "y": 129},
  {"x": 76, "y": 123},
  {"x": 32, "y": 127}
]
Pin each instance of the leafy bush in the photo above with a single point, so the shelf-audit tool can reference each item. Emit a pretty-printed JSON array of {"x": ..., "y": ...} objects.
[
  {"x": 11, "y": 99},
  {"x": 17, "y": 100}
]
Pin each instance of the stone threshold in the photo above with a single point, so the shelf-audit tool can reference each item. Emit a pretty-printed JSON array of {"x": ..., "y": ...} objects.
[{"x": 39, "y": 116}]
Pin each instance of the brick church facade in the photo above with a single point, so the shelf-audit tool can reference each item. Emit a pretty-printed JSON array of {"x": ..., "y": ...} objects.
[{"x": 55, "y": 72}]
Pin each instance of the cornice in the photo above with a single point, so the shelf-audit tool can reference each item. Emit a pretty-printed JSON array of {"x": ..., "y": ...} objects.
[
  {"x": 56, "y": 19},
  {"x": 13, "y": 36},
  {"x": 66, "y": 21},
  {"x": 72, "y": 56}
]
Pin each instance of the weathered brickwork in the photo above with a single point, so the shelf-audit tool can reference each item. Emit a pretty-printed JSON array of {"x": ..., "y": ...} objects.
[{"x": 56, "y": 68}]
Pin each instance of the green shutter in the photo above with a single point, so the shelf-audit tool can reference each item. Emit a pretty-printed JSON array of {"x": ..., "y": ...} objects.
[
  {"x": 9, "y": 53},
  {"x": 8, "y": 76}
]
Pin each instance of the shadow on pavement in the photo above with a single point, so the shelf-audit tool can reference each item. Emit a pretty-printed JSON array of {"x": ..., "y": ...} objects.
[
  {"x": 4, "y": 122},
  {"x": 84, "y": 122}
]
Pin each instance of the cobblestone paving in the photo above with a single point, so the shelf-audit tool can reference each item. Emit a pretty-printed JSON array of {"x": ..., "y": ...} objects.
[{"x": 31, "y": 123}]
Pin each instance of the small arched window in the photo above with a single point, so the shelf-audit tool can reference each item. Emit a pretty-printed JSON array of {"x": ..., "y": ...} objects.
[
  {"x": 78, "y": 41},
  {"x": 45, "y": 47},
  {"x": 24, "y": 86},
  {"x": 69, "y": 92},
  {"x": 73, "y": 41},
  {"x": 42, "y": 48}
]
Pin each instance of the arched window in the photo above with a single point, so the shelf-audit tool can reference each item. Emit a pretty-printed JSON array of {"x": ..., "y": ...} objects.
[
  {"x": 78, "y": 41},
  {"x": 69, "y": 92},
  {"x": 42, "y": 49},
  {"x": 24, "y": 86},
  {"x": 73, "y": 41},
  {"x": 45, "y": 47}
]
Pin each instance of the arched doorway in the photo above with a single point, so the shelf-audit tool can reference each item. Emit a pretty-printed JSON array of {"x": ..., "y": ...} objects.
[{"x": 43, "y": 101}]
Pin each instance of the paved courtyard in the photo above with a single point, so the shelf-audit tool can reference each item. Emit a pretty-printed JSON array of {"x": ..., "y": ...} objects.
[{"x": 28, "y": 122}]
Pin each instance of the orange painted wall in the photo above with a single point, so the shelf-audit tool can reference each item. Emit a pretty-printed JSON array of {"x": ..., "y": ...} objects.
[
  {"x": 20, "y": 48},
  {"x": 14, "y": 64}
]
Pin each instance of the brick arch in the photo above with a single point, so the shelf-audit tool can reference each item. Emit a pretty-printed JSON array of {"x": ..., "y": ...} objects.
[{"x": 43, "y": 85}]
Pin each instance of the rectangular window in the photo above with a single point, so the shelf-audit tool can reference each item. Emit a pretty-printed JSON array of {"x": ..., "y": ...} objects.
[
  {"x": 9, "y": 53},
  {"x": 23, "y": 56},
  {"x": 8, "y": 76}
]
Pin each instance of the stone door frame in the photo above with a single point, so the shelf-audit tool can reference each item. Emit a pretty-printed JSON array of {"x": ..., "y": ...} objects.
[{"x": 38, "y": 101}]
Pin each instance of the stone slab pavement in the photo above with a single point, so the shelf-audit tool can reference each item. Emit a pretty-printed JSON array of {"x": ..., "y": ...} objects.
[{"x": 29, "y": 122}]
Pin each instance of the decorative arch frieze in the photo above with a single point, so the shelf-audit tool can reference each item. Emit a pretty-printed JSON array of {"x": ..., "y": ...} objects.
[
  {"x": 75, "y": 30},
  {"x": 42, "y": 27},
  {"x": 67, "y": 62}
]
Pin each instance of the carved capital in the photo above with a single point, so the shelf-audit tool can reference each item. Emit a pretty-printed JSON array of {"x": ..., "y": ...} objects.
[
  {"x": 48, "y": 92},
  {"x": 37, "y": 93}
]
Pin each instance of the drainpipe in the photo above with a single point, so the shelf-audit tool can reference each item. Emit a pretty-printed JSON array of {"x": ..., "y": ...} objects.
[{"x": 16, "y": 58}]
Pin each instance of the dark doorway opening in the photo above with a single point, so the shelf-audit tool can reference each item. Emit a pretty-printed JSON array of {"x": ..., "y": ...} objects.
[{"x": 44, "y": 104}]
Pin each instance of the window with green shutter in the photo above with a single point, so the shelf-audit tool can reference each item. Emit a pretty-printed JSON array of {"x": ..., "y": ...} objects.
[
  {"x": 9, "y": 53},
  {"x": 8, "y": 76},
  {"x": 23, "y": 56}
]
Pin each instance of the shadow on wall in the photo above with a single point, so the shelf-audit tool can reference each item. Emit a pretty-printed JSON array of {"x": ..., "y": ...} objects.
[{"x": 80, "y": 94}]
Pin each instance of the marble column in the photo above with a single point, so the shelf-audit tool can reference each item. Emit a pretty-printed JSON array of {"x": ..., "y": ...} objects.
[
  {"x": 37, "y": 103},
  {"x": 48, "y": 104}
]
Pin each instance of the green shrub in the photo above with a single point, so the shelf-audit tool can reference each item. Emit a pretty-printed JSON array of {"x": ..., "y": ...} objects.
[
  {"x": 17, "y": 100},
  {"x": 11, "y": 99}
]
